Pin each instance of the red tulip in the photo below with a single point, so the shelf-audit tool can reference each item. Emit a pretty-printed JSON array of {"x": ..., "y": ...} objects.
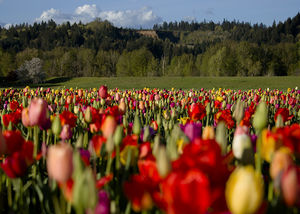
[
  {"x": 15, "y": 165},
  {"x": 103, "y": 92},
  {"x": 187, "y": 192},
  {"x": 13, "y": 140},
  {"x": 197, "y": 111},
  {"x": 67, "y": 117},
  {"x": 13, "y": 105},
  {"x": 3, "y": 148},
  {"x": 285, "y": 114}
]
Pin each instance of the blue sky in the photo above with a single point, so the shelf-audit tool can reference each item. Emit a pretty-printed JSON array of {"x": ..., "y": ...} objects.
[{"x": 145, "y": 13}]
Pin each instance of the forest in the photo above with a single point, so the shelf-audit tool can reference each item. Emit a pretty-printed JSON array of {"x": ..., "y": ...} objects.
[{"x": 229, "y": 48}]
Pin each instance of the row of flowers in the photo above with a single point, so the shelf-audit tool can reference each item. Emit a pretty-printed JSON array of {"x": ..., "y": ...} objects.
[{"x": 170, "y": 151}]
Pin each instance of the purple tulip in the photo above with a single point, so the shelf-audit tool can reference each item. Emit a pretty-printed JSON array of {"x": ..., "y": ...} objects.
[{"x": 192, "y": 130}]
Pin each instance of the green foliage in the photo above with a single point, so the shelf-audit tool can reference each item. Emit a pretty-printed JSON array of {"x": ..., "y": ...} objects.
[
  {"x": 174, "y": 49},
  {"x": 137, "y": 63}
]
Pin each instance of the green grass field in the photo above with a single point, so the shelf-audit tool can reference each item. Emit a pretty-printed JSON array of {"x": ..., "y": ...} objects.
[{"x": 281, "y": 83}]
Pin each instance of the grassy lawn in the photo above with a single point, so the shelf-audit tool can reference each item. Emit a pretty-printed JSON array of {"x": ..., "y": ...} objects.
[{"x": 281, "y": 83}]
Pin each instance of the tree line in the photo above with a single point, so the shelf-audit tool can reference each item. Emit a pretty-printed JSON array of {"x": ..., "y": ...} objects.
[{"x": 177, "y": 49}]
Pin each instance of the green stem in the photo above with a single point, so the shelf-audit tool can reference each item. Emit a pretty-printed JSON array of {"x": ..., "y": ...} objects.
[
  {"x": 36, "y": 141},
  {"x": 108, "y": 166},
  {"x": 128, "y": 160},
  {"x": 270, "y": 192},
  {"x": 56, "y": 205},
  {"x": 9, "y": 192},
  {"x": 44, "y": 136},
  {"x": 69, "y": 207},
  {"x": 258, "y": 151},
  {"x": 117, "y": 157},
  {"x": 128, "y": 208}
]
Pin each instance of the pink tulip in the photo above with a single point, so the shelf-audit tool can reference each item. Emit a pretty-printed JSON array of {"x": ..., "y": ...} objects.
[
  {"x": 60, "y": 162},
  {"x": 38, "y": 112},
  {"x": 290, "y": 185},
  {"x": 66, "y": 132},
  {"x": 280, "y": 161},
  {"x": 117, "y": 98}
]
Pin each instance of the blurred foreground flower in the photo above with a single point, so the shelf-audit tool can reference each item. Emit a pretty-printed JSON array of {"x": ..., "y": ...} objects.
[{"x": 244, "y": 190}]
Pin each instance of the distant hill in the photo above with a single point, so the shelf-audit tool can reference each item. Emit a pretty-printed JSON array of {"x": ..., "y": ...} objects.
[{"x": 176, "y": 48}]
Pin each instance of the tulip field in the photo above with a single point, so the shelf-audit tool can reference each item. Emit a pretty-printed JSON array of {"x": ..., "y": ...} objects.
[{"x": 174, "y": 151}]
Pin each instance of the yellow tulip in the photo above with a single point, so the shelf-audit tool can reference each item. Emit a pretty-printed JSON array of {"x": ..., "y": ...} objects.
[
  {"x": 244, "y": 190},
  {"x": 269, "y": 145},
  {"x": 208, "y": 133},
  {"x": 129, "y": 152}
]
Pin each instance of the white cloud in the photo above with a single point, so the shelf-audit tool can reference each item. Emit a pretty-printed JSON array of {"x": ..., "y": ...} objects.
[
  {"x": 143, "y": 17},
  {"x": 132, "y": 18},
  {"x": 87, "y": 10},
  {"x": 56, "y": 15}
]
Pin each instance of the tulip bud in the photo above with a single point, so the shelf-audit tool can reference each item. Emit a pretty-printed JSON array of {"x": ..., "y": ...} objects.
[
  {"x": 88, "y": 115},
  {"x": 60, "y": 162},
  {"x": 136, "y": 125},
  {"x": 158, "y": 119},
  {"x": 279, "y": 121},
  {"x": 109, "y": 146},
  {"x": 146, "y": 134},
  {"x": 56, "y": 126},
  {"x": 118, "y": 135},
  {"x": 76, "y": 109},
  {"x": 125, "y": 122},
  {"x": 244, "y": 190},
  {"x": 208, "y": 133},
  {"x": 238, "y": 113},
  {"x": 208, "y": 109},
  {"x": 163, "y": 162},
  {"x": 79, "y": 142},
  {"x": 260, "y": 119},
  {"x": 84, "y": 191},
  {"x": 221, "y": 137}
]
